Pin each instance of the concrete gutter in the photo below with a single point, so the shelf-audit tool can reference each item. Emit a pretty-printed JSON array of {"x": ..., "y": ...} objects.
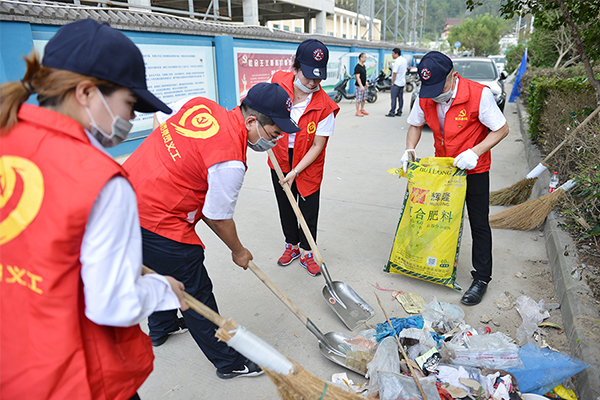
[{"x": 578, "y": 307}]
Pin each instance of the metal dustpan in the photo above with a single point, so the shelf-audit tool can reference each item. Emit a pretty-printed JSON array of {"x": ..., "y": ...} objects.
[
  {"x": 342, "y": 299},
  {"x": 329, "y": 343}
]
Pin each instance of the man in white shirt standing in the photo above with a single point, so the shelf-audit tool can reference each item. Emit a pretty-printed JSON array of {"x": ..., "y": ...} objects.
[
  {"x": 466, "y": 124},
  {"x": 398, "y": 81}
]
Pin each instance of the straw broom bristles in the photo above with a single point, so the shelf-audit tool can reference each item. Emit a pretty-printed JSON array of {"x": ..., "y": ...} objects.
[
  {"x": 527, "y": 216},
  {"x": 516, "y": 194},
  {"x": 520, "y": 191},
  {"x": 302, "y": 385}
]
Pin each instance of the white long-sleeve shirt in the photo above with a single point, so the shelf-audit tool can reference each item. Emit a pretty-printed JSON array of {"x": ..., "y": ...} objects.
[{"x": 116, "y": 294}]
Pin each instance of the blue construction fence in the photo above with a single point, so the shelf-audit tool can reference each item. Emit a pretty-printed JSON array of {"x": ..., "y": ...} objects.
[{"x": 221, "y": 68}]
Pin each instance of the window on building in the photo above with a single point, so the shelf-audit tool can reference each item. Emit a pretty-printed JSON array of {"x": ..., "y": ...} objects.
[
  {"x": 298, "y": 30},
  {"x": 286, "y": 28},
  {"x": 344, "y": 36},
  {"x": 276, "y": 26},
  {"x": 330, "y": 33}
]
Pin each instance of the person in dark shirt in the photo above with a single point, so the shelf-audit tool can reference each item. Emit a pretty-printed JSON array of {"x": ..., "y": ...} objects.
[{"x": 361, "y": 85}]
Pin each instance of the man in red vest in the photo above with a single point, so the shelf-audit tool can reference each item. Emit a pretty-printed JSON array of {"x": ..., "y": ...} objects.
[
  {"x": 301, "y": 155},
  {"x": 191, "y": 168},
  {"x": 466, "y": 124}
]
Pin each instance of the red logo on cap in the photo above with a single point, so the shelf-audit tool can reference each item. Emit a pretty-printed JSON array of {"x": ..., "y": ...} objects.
[
  {"x": 425, "y": 74},
  {"x": 318, "y": 54},
  {"x": 288, "y": 104}
]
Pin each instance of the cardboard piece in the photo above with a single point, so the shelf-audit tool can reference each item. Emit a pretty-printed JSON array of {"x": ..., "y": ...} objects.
[{"x": 413, "y": 303}]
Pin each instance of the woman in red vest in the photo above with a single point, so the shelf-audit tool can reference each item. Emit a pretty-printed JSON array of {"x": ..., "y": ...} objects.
[
  {"x": 72, "y": 293},
  {"x": 302, "y": 155}
]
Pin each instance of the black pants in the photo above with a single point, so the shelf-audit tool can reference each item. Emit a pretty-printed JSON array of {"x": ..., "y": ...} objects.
[
  {"x": 309, "y": 206},
  {"x": 396, "y": 93},
  {"x": 185, "y": 262},
  {"x": 478, "y": 200}
]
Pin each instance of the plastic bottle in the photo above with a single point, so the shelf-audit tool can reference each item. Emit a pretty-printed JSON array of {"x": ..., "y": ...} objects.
[
  {"x": 480, "y": 330},
  {"x": 553, "y": 183}
]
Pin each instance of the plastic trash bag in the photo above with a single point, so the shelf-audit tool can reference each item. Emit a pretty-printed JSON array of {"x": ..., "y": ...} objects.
[
  {"x": 506, "y": 301},
  {"x": 495, "y": 350},
  {"x": 428, "y": 234},
  {"x": 386, "y": 359},
  {"x": 544, "y": 369},
  {"x": 533, "y": 314},
  {"x": 442, "y": 317},
  {"x": 394, "y": 386},
  {"x": 384, "y": 329}
]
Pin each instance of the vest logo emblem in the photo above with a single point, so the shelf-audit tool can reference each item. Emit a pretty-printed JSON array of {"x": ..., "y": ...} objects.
[
  {"x": 21, "y": 195},
  {"x": 312, "y": 127},
  {"x": 462, "y": 115},
  {"x": 197, "y": 123}
]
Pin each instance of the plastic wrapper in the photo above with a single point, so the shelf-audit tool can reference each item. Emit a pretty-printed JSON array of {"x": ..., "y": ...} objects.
[
  {"x": 544, "y": 369},
  {"x": 358, "y": 360},
  {"x": 384, "y": 329},
  {"x": 429, "y": 361},
  {"x": 495, "y": 350},
  {"x": 386, "y": 359},
  {"x": 533, "y": 314},
  {"x": 394, "y": 386},
  {"x": 443, "y": 317}
]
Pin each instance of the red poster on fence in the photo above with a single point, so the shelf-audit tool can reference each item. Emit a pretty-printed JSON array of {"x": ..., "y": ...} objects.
[{"x": 255, "y": 68}]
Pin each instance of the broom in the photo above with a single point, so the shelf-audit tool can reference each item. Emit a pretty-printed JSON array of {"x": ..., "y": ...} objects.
[
  {"x": 293, "y": 382},
  {"x": 529, "y": 215},
  {"x": 520, "y": 191}
]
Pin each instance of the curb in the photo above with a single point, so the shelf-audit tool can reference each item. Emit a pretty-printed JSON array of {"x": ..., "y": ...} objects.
[{"x": 577, "y": 305}]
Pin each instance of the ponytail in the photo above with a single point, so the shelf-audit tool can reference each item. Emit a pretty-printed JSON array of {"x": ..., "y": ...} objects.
[
  {"x": 52, "y": 86},
  {"x": 13, "y": 94}
]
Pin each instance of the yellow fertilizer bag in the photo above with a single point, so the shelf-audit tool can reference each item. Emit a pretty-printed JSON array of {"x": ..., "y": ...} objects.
[{"x": 428, "y": 235}]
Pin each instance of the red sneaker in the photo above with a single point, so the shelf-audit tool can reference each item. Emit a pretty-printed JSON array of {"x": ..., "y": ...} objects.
[
  {"x": 308, "y": 262},
  {"x": 289, "y": 255}
]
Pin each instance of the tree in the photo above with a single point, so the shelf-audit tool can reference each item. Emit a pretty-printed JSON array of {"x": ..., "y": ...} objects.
[
  {"x": 580, "y": 17},
  {"x": 481, "y": 35}
]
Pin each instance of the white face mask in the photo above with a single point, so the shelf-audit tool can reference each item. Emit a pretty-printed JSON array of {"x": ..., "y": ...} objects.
[
  {"x": 261, "y": 144},
  {"x": 305, "y": 89},
  {"x": 119, "y": 129},
  {"x": 444, "y": 97}
]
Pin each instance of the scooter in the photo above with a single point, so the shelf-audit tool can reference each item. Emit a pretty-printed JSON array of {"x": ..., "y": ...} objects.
[
  {"x": 412, "y": 79},
  {"x": 384, "y": 80},
  {"x": 341, "y": 93}
]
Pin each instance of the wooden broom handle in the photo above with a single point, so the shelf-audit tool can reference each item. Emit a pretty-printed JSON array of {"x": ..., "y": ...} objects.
[
  {"x": 288, "y": 192},
  {"x": 592, "y": 115},
  {"x": 412, "y": 371},
  {"x": 196, "y": 305},
  {"x": 277, "y": 292}
]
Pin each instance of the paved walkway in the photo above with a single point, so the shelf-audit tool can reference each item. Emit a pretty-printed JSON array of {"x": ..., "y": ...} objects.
[{"x": 360, "y": 208}]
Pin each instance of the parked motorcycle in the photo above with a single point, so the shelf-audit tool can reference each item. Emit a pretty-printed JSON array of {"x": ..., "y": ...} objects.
[
  {"x": 341, "y": 92},
  {"x": 384, "y": 80},
  {"x": 412, "y": 79}
]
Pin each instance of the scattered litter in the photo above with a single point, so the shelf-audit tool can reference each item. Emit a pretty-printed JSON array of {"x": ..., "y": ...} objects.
[
  {"x": 395, "y": 292},
  {"x": 443, "y": 317},
  {"x": 552, "y": 306},
  {"x": 384, "y": 329},
  {"x": 429, "y": 361},
  {"x": 496, "y": 323},
  {"x": 544, "y": 369},
  {"x": 342, "y": 380},
  {"x": 505, "y": 301},
  {"x": 412, "y": 303},
  {"x": 518, "y": 274},
  {"x": 495, "y": 350},
  {"x": 552, "y": 325},
  {"x": 534, "y": 238},
  {"x": 533, "y": 314},
  {"x": 485, "y": 319}
]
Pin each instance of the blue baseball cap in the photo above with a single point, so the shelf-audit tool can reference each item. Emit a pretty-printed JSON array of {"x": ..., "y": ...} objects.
[
  {"x": 433, "y": 70},
  {"x": 97, "y": 50},
  {"x": 313, "y": 56},
  {"x": 272, "y": 100}
]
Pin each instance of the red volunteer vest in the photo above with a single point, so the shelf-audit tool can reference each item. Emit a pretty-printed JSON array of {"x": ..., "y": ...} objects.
[
  {"x": 462, "y": 128},
  {"x": 51, "y": 176},
  {"x": 318, "y": 109},
  {"x": 169, "y": 169}
]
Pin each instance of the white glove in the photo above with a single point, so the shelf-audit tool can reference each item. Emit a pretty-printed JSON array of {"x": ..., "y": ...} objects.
[
  {"x": 404, "y": 159},
  {"x": 466, "y": 160}
]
